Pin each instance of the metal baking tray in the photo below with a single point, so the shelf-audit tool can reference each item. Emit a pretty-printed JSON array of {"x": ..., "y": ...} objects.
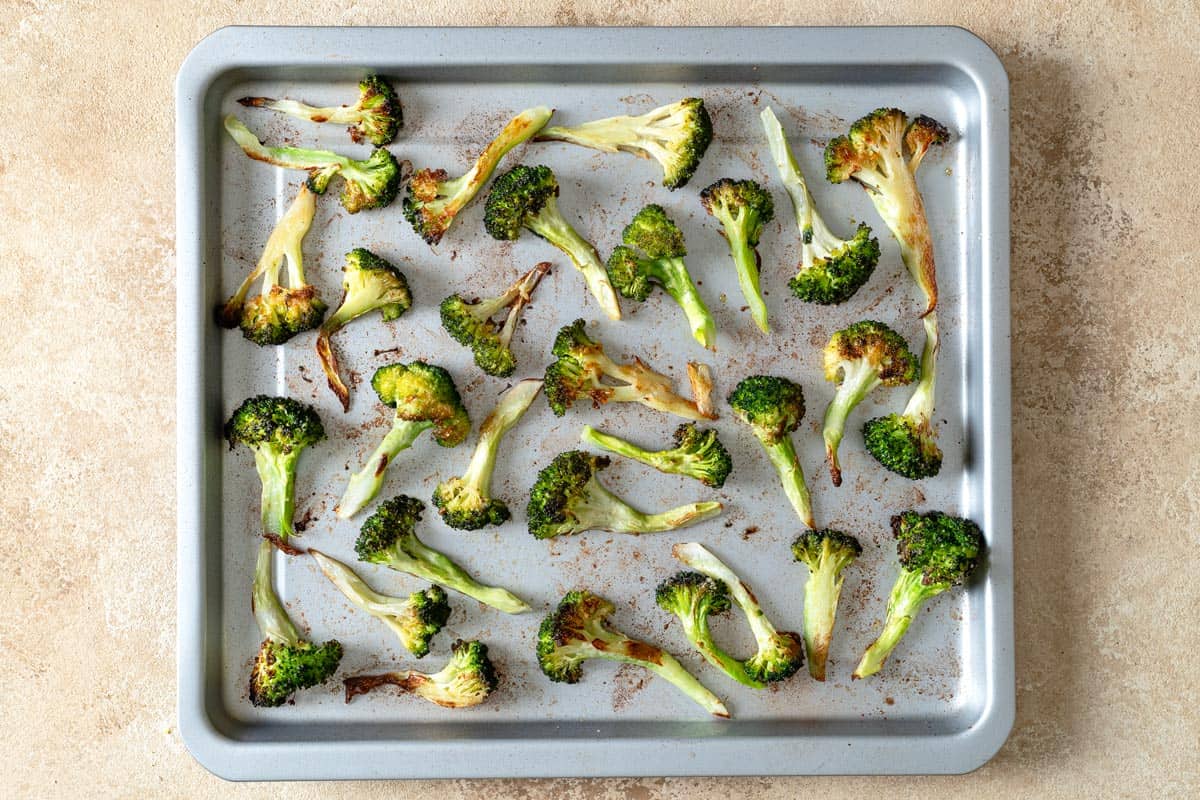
[{"x": 944, "y": 703}]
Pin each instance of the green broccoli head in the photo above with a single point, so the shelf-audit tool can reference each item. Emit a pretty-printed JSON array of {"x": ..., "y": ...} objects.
[
  {"x": 561, "y": 485},
  {"x": 277, "y": 424},
  {"x": 380, "y": 114},
  {"x": 369, "y": 280},
  {"x": 777, "y": 660},
  {"x": 473, "y": 325},
  {"x": 517, "y": 196},
  {"x": 280, "y": 314},
  {"x": 373, "y": 183},
  {"x": 876, "y": 346},
  {"x": 280, "y": 670},
  {"x": 707, "y": 459},
  {"x": 655, "y": 234},
  {"x": 923, "y": 133},
  {"x": 741, "y": 205},
  {"x": 467, "y": 679},
  {"x": 835, "y": 277},
  {"x": 572, "y": 376},
  {"x": 464, "y": 506},
  {"x": 692, "y": 596},
  {"x": 903, "y": 444},
  {"x": 424, "y": 392},
  {"x": 425, "y": 613},
  {"x": 629, "y": 274},
  {"x": 693, "y": 133},
  {"x": 579, "y": 619},
  {"x": 945, "y": 550},
  {"x": 826, "y": 549},
  {"x": 772, "y": 406},
  {"x": 871, "y": 140},
  {"x": 393, "y": 522}
]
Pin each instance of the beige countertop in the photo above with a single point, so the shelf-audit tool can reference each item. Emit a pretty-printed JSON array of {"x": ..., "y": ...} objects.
[{"x": 1105, "y": 375}]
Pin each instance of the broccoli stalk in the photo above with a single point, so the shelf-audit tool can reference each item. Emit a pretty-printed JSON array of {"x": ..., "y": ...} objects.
[
  {"x": 693, "y": 596},
  {"x": 372, "y": 183},
  {"x": 742, "y": 208},
  {"x": 369, "y": 283},
  {"x": 434, "y": 200},
  {"x": 415, "y": 619},
  {"x": 375, "y": 118},
  {"x": 424, "y": 397},
  {"x": 527, "y": 197},
  {"x": 937, "y": 551},
  {"x": 567, "y": 498},
  {"x": 466, "y": 680},
  {"x": 826, "y": 554},
  {"x": 577, "y": 630},
  {"x": 471, "y": 324},
  {"x": 675, "y": 135},
  {"x": 286, "y": 662},
  {"x": 466, "y": 503},
  {"x": 831, "y": 269},
  {"x": 697, "y": 453}
]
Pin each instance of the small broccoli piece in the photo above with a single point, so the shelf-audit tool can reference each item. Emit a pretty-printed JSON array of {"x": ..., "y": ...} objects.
[
  {"x": 653, "y": 255},
  {"x": 826, "y": 553},
  {"x": 859, "y": 359},
  {"x": 527, "y": 197},
  {"x": 567, "y": 498},
  {"x": 424, "y": 397},
  {"x": 831, "y": 269},
  {"x": 693, "y": 596},
  {"x": 697, "y": 453},
  {"x": 369, "y": 283},
  {"x": 434, "y": 199},
  {"x": 742, "y": 208},
  {"x": 471, "y": 324},
  {"x": 285, "y": 663},
  {"x": 277, "y": 429},
  {"x": 415, "y": 619},
  {"x": 466, "y": 680},
  {"x": 675, "y": 135},
  {"x": 780, "y": 653},
  {"x": 581, "y": 364},
  {"x": 372, "y": 183},
  {"x": 389, "y": 537},
  {"x": 773, "y": 407},
  {"x": 466, "y": 503},
  {"x": 882, "y": 152},
  {"x": 375, "y": 118},
  {"x": 578, "y": 630},
  {"x": 937, "y": 551}
]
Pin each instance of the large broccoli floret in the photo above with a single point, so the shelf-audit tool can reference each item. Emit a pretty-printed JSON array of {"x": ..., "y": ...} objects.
[
  {"x": 675, "y": 135},
  {"x": 582, "y": 364},
  {"x": 372, "y": 183},
  {"x": 653, "y": 256},
  {"x": 389, "y": 537},
  {"x": 826, "y": 553},
  {"x": 415, "y": 619},
  {"x": 773, "y": 408},
  {"x": 693, "y": 597},
  {"x": 466, "y": 503},
  {"x": 277, "y": 430},
  {"x": 434, "y": 199},
  {"x": 286, "y": 662},
  {"x": 567, "y": 498},
  {"x": 369, "y": 283},
  {"x": 375, "y": 118},
  {"x": 466, "y": 680},
  {"x": 859, "y": 359},
  {"x": 472, "y": 323},
  {"x": 697, "y": 453},
  {"x": 527, "y": 197},
  {"x": 742, "y": 208},
  {"x": 831, "y": 269},
  {"x": 578, "y": 630},
  {"x": 424, "y": 397},
  {"x": 937, "y": 551}
]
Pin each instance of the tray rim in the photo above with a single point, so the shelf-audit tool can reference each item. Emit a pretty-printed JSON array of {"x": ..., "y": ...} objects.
[{"x": 216, "y": 746}]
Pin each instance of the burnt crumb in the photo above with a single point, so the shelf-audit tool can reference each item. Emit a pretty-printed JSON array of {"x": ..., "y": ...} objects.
[
  {"x": 728, "y": 524},
  {"x": 304, "y": 374},
  {"x": 744, "y": 308},
  {"x": 891, "y": 701},
  {"x": 453, "y": 255},
  {"x": 301, "y": 525},
  {"x": 750, "y": 531},
  {"x": 387, "y": 350}
]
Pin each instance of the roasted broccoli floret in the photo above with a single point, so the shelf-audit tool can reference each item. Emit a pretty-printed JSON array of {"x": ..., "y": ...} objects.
[
  {"x": 697, "y": 453},
  {"x": 578, "y": 630},
  {"x": 277, "y": 429},
  {"x": 826, "y": 553},
  {"x": 287, "y": 308},
  {"x": 674, "y": 135},
  {"x": 372, "y": 183},
  {"x": 653, "y": 256},
  {"x": 286, "y": 662},
  {"x": 831, "y": 270},
  {"x": 742, "y": 208},
  {"x": 693, "y": 596},
  {"x": 567, "y": 498},
  {"x": 859, "y": 359},
  {"x": 773, "y": 407},
  {"x": 415, "y": 619},
  {"x": 527, "y": 197},
  {"x": 582, "y": 364},
  {"x": 466, "y": 680},
  {"x": 375, "y": 118},
  {"x": 466, "y": 503},
  {"x": 471, "y": 323},
  {"x": 937, "y": 551},
  {"x": 882, "y": 152},
  {"x": 389, "y": 537},
  {"x": 434, "y": 199},
  {"x": 424, "y": 397},
  {"x": 369, "y": 283}
]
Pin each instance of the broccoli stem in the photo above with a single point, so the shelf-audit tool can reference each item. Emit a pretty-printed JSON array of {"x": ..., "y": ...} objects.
[
  {"x": 920, "y": 405},
  {"x": 366, "y": 483},
  {"x": 677, "y": 282},
  {"x": 701, "y": 559},
  {"x": 273, "y": 620},
  {"x": 429, "y": 564},
  {"x": 908, "y": 595},
  {"x": 277, "y": 473},
  {"x": 699, "y": 635},
  {"x": 821, "y": 594},
  {"x": 287, "y": 157},
  {"x": 745, "y": 261},
  {"x": 618, "y": 647},
  {"x": 651, "y": 389},
  {"x": 783, "y": 458},
  {"x": 345, "y": 314},
  {"x": 601, "y": 509},
  {"x": 549, "y": 224},
  {"x": 623, "y": 448},
  {"x": 357, "y": 591},
  {"x": 508, "y": 411},
  {"x": 858, "y": 380},
  {"x": 462, "y": 190},
  {"x": 342, "y": 115}
]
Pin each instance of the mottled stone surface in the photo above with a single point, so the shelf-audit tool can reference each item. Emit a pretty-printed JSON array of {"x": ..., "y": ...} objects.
[{"x": 1105, "y": 374}]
